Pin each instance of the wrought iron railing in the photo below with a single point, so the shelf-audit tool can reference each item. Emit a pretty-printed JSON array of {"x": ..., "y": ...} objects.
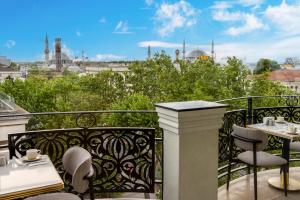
[
  {"x": 123, "y": 158},
  {"x": 254, "y": 109},
  {"x": 126, "y": 159}
]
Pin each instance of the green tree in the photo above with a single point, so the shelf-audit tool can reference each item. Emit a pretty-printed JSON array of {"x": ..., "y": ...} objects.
[
  {"x": 134, "y": 102},
  {"x": 157, "y": 78},
  {"x": 266, "y": 65}
]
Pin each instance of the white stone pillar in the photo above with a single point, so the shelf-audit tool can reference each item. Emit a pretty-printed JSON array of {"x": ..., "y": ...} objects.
[{"x": 190, "y": 149}]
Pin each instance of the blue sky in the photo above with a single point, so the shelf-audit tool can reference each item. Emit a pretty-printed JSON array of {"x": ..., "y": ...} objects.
[{"x": 117, "y": 29}]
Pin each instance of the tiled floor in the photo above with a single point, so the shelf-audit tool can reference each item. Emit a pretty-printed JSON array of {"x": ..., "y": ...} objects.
[{"x": 242, "y": 188}]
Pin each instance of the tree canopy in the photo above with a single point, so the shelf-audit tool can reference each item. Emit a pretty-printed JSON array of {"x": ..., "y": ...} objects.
[
  {"x": 266, "y": 65},
  {"x": 146, "y": 83}
]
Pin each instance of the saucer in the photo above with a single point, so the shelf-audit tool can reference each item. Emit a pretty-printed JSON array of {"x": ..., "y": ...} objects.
[
  {"x": 280, "y": 122},
  {"x": 292, "y": 133},
  {"x": 26, "y": 159}
]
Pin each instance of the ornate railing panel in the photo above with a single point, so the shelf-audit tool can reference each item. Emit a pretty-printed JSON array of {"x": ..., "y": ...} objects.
[
  {"x": 123, "y": 158},
  {"x": 291, "y": 114},
  {"x": 237, "y": 117}
]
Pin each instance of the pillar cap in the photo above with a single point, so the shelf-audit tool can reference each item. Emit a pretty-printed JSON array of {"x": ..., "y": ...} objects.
[{"x": 190, "y": 105}]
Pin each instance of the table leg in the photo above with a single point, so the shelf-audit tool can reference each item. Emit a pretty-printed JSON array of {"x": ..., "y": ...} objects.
[{"x": 278, "y": 182}]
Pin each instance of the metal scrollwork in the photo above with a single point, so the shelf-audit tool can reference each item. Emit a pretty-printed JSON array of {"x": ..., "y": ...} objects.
[
  {"x": 290, "y": 114},
  {"x": 123, "y": 158},
  {"x": 237, "y": 117}
]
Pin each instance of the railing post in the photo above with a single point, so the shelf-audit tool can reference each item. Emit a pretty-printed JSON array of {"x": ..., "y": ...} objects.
[
  {"x": 190, "y": 149},
  {"x": 250, "y": 111}
]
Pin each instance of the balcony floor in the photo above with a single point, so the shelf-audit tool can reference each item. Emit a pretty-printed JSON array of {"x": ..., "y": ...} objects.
[{"x": 242, "y": 188}]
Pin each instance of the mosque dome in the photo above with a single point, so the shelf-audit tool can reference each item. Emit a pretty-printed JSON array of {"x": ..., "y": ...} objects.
[{"x": 196, "y": 53}]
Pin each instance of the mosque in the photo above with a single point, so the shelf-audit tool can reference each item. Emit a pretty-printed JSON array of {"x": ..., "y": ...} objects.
[
  {"x": 191, "y": 56},
  {"x": 59, "y": 59}
]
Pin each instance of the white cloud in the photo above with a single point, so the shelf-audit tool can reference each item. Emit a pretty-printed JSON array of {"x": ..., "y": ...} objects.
[
  {"x": 78, "y": 33},
  {"x": 122, "y": 28},
  {"x": 10, "y": 44},
  {"x": 108, "y": 57},
  {"x": 245, "y": 22},
  {"x": 224, "y": 15},
  {"x": 254, "y": 3},
  {"x": 229, "y": 4},
  {"x": 277, "y": 49},
  {"x": 251, "y": 23},
  {"x": 102, "y": 20},
  {"x": 170, "y": 17},
  {"x": 149, "y": 2},
  {"x": 221, "y": 5},
  {"x": 286, "y": 17},
  {"x": 159, "y": 44}
]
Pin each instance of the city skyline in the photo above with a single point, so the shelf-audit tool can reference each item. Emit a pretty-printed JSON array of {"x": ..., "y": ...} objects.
[{"x": 122, "y": 30}]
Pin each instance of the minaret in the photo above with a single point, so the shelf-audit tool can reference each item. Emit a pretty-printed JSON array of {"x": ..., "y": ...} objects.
[
  {"x": 177, "y": 52},
  {"x": 58, "y": 54},
  {"x": 183, "y": 50},
  {"x": 149, "y": 53},
  {"x": 82, "y": 55},
  {"x": 213, "y": 56},
  {"x": 46, "y": 50}
]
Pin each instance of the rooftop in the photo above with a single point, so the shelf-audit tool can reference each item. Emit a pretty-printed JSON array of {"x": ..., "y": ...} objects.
[{"x": 285, "y": 75}]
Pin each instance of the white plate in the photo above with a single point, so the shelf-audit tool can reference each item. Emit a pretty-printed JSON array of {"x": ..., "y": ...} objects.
[
  {"x": 280, "y": 122},
  {"x": 26, "y": 159}
]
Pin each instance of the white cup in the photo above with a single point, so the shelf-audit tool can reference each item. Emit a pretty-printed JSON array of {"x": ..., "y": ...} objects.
[
  {"x": 292, "y": 129},
  {"x": 265, "y": 120},
  {"x": 32, "y": 154},
  {"x": 280, "y": 119}
]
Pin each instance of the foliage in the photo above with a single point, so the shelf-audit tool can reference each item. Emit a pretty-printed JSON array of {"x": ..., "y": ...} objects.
[
  {"x": 146, "y": 83},
  {"x": 133, "y": 102},
  {"x": 266, "y": 65},
  {"x": 14, "y": 66}
]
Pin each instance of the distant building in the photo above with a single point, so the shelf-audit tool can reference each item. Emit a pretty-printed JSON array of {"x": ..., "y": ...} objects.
[
  {"x": 195, "y": 55},
  {"x": 4, "y": 62},
  {"x": 46, "y": 51},
  {"x": 291, "y": 63},
  {"x": 6, "y": 71},
  {"x": 65, "y": 60},
  {"x": 115, "y": 67},
  {"x": 289, "y": 78},
  {"x": 199, "y": 54},
  {"x": 58, "y": 59}
]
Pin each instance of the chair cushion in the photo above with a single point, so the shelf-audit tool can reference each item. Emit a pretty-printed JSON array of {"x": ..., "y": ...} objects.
[
  {"x": 55, "y": 196},
  {"x": 295, "y": 146},
  {"x": 263, "y": 159}
]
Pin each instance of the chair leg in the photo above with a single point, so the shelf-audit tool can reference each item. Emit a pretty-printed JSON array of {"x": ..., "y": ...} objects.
[
  {"x": 248, "y": 169},
  {"x": 228, "y": 174},
  {"x": 285, "y": 179},
  {"x": 229, "y": 161},
  {"x": 255, "y": 181},
  {"x": 255, "y": 170}
]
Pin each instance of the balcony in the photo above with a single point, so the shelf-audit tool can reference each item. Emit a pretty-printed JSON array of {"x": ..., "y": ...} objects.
[{"x": 90, "y": 129}]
